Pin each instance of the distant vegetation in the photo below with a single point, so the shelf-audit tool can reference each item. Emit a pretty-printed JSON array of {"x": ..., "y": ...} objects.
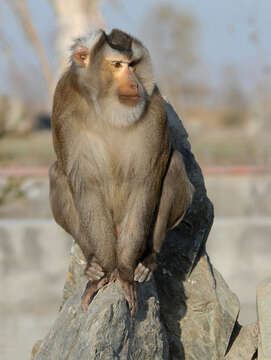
[{"x": 227, "y": 125}]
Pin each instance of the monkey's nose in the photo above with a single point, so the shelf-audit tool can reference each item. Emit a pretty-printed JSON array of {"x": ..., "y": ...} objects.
[{"x": 134, "y": 86}]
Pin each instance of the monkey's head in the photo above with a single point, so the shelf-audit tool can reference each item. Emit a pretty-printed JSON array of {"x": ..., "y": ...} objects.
[{"x": 115, "y": 72}]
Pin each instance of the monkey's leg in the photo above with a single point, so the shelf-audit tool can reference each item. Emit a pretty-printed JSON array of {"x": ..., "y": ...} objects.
[
  {"x": 66, "y": 215},
  {"x": 177, "y": 193}
]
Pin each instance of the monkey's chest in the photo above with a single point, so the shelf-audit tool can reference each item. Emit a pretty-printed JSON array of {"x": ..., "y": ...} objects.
[
  {"x": 116, "y": 161},
  {"x": 116, "y": 170}
]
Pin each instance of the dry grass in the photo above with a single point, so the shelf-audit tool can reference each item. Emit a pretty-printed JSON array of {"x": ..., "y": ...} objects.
[
  {"x": 34, "y": 149},
  {"x": 212, "y": 145}
]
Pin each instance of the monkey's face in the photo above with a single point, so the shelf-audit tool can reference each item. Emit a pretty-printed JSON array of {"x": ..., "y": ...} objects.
[
  {"x": 116, "y": 69},
  {"x": 122, "y": 78}
]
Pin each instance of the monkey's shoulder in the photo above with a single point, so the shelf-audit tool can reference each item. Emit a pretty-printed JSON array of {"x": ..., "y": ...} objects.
[{"x": 68, "y": 99}]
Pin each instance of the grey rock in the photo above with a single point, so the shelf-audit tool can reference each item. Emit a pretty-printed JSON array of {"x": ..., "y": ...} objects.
[
  {"x": 191, "y": 319},
  {"x": 245, "y": 344},
  {"x": 199, "y": 313},
  {"x": 186, "y": 242},
  {"x": 264, "y": 319},
  {"x": 107, "y": 330},
  {"x": 186, "y": 311}
]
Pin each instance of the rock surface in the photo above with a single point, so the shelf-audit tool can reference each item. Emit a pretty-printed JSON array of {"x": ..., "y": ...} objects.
[
  {"x": 191, "y": 319},
  {"x": 107, "y": 330},
  {"x": 245, "y": 344},
  {"x": 264, "y": 317},
  {"x": 186, "y": 311}
]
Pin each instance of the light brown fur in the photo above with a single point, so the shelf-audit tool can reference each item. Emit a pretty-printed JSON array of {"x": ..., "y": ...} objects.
[{"x": 114, "y": 186}]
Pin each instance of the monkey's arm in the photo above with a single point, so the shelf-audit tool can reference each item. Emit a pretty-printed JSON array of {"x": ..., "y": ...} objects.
[
  {"x": 96, "y": 235},
  {"x": 96, "y": 225},
  {"x": 80, "y": 218},
  {"x": 61, "y": 200}
]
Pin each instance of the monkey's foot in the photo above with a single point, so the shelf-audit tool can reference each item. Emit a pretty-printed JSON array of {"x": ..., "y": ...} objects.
[
  {"x": 94, "y": 271},
  {"x": 130, "y": 294},
  {"x": 91, "y": 290},
  {"x": 142, "y": 273}
]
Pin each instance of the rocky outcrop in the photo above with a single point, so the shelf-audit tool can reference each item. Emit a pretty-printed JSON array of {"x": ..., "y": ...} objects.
[
  {"x": 186, "y": 311},
  {"x": 191, "y": 319},
  {"x": 264, "y": 317}
]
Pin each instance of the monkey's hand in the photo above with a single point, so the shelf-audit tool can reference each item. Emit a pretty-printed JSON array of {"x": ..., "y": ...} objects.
[
  {"x": 144, "y": 269},
  {"x": 94, "y": 271},
  {"x": 130, "y": 294},
  {"x": 142, "y": 273},
  {"x": 90, "y": 291}
]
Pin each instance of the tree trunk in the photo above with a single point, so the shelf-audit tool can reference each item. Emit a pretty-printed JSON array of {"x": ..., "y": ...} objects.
[{"x": 75, "y": 18}]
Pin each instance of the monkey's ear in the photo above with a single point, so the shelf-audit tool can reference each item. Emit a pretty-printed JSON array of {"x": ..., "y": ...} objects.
[{"x": 81, "y": 56}]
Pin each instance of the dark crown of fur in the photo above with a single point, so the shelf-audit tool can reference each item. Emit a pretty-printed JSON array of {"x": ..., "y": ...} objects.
[{"x": 120, "y": 41}]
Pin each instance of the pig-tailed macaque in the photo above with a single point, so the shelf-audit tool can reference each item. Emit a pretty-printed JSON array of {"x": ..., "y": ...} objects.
[{"x": 118, "y": 185}]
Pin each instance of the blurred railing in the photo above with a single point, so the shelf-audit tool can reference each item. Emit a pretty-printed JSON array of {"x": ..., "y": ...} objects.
[{"x": 210, "y": 170}]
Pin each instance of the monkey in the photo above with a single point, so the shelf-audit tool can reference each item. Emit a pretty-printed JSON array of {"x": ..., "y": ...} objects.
[{"x": 117, "y": 186}]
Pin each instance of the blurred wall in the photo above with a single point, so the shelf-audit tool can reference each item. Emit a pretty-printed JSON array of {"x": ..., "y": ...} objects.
[{"x": 34, "y": 255}]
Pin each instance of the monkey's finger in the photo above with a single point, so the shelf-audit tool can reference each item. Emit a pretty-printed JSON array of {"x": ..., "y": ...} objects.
[
  {"x": 141, "y": 273},
  {"x": 144, "y": 275},
  {"x": 96, "y": 266},
  {"x": 139, "y": 269},
  {"x": 94, "y": 274},
  {"x": 93, "y": 277}
]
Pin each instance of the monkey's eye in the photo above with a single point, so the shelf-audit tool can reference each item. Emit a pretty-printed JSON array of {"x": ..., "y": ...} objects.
[
  {"x": 117, "y": 64},
  {"x": 133, "y": 63}
]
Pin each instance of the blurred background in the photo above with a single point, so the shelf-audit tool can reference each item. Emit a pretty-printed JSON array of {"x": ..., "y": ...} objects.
[{"x": 212, "y": 61}]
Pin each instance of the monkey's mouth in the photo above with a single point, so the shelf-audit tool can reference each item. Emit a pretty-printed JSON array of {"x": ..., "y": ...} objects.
[{"x": 129, "y": 99}]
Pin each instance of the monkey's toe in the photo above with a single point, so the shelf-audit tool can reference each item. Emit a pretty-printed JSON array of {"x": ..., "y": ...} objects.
[
  {"x": 91, "y": 290},
  {"x": 130, "y": 294},
  {"x": 142, "y": 273},
  {"x": 94, "y": 272}
]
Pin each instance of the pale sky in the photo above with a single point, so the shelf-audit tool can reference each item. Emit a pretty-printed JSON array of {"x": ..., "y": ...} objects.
[{"x": 232, "y": 32}]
